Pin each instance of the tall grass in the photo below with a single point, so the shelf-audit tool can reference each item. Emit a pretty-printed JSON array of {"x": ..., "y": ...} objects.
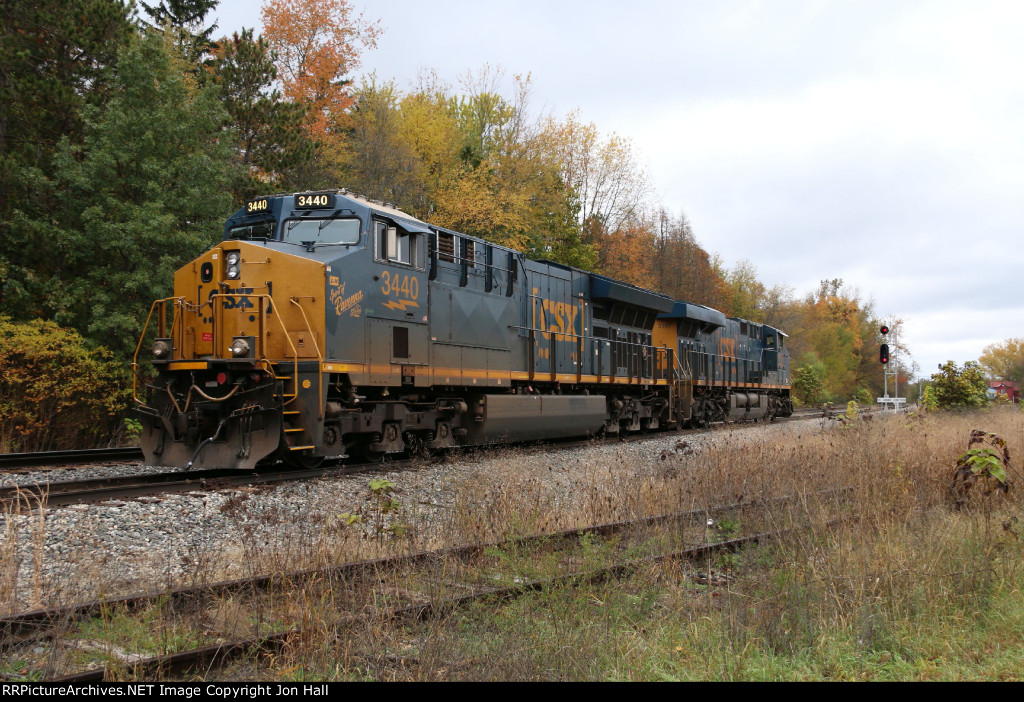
[{"x": 905, "y": 586}]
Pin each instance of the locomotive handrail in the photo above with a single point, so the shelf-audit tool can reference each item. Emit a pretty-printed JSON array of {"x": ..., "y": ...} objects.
[
  {"x": 263, "y": 332},
  {"x": 319, "y": 359},
  {"x": 142, "y": 337},
  {"x": 657, "y": 352}
]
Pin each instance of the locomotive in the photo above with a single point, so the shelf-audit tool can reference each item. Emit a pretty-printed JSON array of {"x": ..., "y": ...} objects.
[{"x": 325, "y": 324}]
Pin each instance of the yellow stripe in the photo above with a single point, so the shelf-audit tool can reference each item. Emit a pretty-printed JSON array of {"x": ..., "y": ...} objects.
[
  {"x": 344, "y": 368},
  {"x": 188, "y": 365}
]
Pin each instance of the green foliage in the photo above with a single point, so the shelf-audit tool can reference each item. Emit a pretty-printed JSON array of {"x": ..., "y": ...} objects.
[
  {"x": 55, "y": 59},
  {"x": 185, "y": 18},
  {"x": 928, "y": 400},
  {"x": 809, "y": 382},
  {"x": 959, "y": 388},
  {"x": 143, "y": 194},
  {"x": 864, "y": 397},
  {"x": 270, "y": 141},
  {"x": 981, "y": 465},
  {"x": 852, "y": 411},
  {"x": 55, "y": 393}
]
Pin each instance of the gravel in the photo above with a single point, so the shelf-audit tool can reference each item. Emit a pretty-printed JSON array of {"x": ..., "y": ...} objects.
[{"x": 80, "y": 552}]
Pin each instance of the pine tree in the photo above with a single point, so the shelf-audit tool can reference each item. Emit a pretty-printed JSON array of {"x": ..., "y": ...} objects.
[
  {"x": 186, "y": 18},
  {"x": 271, "y": 142},
  {"x": 55, "y": 58},
  {"x": 144, "y": 193}
]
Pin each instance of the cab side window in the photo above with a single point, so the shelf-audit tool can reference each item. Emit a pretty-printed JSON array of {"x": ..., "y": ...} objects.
[{"x": 395, "y": 245}]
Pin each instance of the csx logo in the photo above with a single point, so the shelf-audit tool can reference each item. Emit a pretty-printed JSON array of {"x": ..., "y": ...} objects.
[
  {"x": 557, "y": 317},
  {"x": 237, "y": 303},
  {"x": 727, "y": 347}
]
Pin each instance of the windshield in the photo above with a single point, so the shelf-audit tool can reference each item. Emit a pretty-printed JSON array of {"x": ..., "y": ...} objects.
[
  {"x": 263, "y": 230},
  {"x": 322, "y": 231}
]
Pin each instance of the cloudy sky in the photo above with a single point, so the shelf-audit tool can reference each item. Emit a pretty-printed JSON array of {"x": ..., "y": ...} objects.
[{"x": 877, "y": 142}]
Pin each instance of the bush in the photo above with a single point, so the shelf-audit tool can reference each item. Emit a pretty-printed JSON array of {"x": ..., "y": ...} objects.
[
  {"x": 55, "y": 393},
  {"x": 960, "y": 388}
]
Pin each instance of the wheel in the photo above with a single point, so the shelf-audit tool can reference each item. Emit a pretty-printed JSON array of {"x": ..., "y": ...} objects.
[
  {"x": 367, "y": 454},
  {"x": 300, "y": 461}
]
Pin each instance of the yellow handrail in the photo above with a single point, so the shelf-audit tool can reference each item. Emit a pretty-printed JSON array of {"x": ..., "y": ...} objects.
[
  {"x": 319, "y": 357},
  {"x": 142, "y": 337},
  {"x": 217, "y": 332}
]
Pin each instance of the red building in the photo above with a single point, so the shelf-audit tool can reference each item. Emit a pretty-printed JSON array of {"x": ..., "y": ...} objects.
[{"x": 1007, "y": 388}]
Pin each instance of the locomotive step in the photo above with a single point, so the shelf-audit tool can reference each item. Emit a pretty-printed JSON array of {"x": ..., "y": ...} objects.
[
  {"x": 293, "y": 429},
  {"x": 300, "y": 448}
]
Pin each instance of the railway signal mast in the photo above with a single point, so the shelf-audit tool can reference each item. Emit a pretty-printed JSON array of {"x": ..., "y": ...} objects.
[{"x": 889, "y": 367}]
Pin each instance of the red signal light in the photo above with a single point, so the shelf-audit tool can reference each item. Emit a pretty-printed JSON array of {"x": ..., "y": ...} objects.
[
  {"x": 883, "y": 353},
  {"x": 884, "y": 330}
]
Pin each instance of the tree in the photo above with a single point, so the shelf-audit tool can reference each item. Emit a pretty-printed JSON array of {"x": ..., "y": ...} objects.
[
  {"x": 185, "y": 18},
  {"x": 316, "y": 44},
  {"x": 55, "y": 391},
  {"x": 745, "y": 292},
  {"x": 809, "y": 381},
  {"x": 145, "y": 192},
  {"x": 604, "y": 174},
  {"x": 959, "y": 388},
  {"x": 270, "y": 142},
  {"x": 55, "y": 58},
  {"x": 1004, "y": 360},
  {"x": 626, "y": 253},
  {"x": 383, "y": 159}
]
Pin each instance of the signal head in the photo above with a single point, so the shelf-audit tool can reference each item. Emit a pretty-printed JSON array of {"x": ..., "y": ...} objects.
[
  {"x": 884, "y": 330},
  {"x": 883, "y": 353}
]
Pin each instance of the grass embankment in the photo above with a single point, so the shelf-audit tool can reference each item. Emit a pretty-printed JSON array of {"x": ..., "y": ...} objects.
[{"x": 908, "y": 587}]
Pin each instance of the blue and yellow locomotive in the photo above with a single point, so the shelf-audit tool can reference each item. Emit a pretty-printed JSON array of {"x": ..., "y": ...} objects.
[{"x": 325, "y": 324}]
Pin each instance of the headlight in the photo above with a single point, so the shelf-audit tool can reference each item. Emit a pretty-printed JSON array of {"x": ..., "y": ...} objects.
[
  {"x": 161, "y": 349},
  {"x": 239, "y": 348},
  {"x": 233, "y": 271},
  {"x": 232, "y": 258}
]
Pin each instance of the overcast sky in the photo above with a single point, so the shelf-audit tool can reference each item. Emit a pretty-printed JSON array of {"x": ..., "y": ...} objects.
[{"x": 877, "y": 142}]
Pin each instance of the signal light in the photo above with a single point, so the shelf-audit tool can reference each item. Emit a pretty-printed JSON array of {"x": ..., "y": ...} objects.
[
  {"x": 883, "y": 353},
  {"x": 884, "y": 330}
]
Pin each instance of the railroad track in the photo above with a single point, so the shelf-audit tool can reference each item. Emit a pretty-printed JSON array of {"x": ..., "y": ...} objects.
[
  {"x": 14, "y": 461},
  {"x": 365, "y": 578},
  {"x": 11, "y": 462},
  {"x": 70, "y": 492}
]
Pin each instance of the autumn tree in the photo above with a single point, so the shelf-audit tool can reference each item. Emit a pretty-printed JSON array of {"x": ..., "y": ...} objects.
[
  {"x": 270, "y": 143},
  {"x": 604, "y": 172},
  {"x": 833, "y": 326},
  {"x": 317, "y": 44},
  {"x": 954, "y": 387},
  {"x": 1004, "y": 360},
  {"x": 681, "y": 267},
  {"x": 382, "y": 162}
]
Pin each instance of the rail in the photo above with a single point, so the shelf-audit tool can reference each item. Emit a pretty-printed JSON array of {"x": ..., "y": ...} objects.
[{"x": 651, "y": 363}]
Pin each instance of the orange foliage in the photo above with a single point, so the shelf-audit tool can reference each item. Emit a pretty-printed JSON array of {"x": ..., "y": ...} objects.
[
  {"x": 627, "y": 254},
  {"x": 317, "y": 43}
]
